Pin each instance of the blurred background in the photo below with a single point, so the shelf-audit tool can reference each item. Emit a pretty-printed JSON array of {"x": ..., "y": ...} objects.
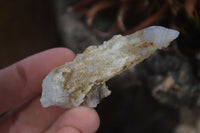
[
  {"x": 162, "y": 94},
  {"x": 26, "y": 27}
]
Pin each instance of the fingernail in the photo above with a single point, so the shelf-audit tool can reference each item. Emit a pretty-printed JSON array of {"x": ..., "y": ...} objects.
[{"x": 68, "y": 130}]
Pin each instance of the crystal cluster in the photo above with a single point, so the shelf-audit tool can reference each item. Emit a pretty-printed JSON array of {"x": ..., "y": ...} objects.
[{"x": 82, "y": 81}]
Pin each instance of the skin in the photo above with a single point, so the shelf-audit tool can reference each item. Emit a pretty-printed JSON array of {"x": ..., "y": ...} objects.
[{"x": 20, "y": 93}]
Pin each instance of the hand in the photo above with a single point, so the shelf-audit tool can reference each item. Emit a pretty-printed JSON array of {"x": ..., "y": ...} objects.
[{"x": 20, "y": 93}]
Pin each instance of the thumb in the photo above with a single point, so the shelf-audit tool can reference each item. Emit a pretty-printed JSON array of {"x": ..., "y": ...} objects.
[{"x": 76, "y": 120}]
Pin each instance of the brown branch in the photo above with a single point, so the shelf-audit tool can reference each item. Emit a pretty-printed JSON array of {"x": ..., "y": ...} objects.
[
  {"x": 96, "y": 8},
  {"x": 190, "y": 7},
  {"x": 121, "y": 17},
  {"x": 82, "y": 4},
  {"x": 150, "y": 20}
]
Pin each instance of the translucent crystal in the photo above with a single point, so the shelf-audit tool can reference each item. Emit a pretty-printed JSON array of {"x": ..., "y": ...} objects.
[{"x": 82, "y": 81}]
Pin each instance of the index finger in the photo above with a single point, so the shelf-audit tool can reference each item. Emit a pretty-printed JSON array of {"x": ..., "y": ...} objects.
[{"x": 23, "y": 80}]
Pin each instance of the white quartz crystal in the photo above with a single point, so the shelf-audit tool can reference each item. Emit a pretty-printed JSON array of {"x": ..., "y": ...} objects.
[{"x": 82, "y": 81}]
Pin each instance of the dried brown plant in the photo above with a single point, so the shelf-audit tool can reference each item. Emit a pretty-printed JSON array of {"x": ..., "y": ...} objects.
[{"x": 173, "y": 12}]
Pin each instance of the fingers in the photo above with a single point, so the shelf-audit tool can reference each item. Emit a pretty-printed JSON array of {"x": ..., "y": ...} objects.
[
  {"x": 68, "y": 130},
  {"x": 23, "y": 79},
  {"x": 32, "y": 118},
  {"x": 76, "y": 120}
]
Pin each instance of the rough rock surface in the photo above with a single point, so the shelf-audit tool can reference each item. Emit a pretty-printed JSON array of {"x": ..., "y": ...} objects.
[{"x": 82, "y": 82}]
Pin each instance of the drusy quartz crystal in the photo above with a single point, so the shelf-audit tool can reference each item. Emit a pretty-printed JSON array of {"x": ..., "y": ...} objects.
[{"x": 82, "y": 81}]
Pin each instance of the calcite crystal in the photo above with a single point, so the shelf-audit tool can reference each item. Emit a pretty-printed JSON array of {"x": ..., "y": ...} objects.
[{"x": 82, "y": 81}]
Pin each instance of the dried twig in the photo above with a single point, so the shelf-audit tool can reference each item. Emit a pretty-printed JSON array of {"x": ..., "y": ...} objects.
[
  {"x": 151, "y": 19},
  {"x": 190, "y": 7},
  {"x": 96, "y": 8},
  {"x": 82, "y": 4},
  {"x": 121, "y": 17}
]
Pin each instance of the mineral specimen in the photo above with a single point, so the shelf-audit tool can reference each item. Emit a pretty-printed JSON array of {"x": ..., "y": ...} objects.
[{"x": 82, "y": 81}]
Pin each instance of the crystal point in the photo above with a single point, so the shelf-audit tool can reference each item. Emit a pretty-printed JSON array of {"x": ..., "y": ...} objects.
[{"x": 82, "y": 81}]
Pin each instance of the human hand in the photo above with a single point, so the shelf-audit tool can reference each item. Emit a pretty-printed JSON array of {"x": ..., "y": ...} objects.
[{"x": 20, "y": 93}]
